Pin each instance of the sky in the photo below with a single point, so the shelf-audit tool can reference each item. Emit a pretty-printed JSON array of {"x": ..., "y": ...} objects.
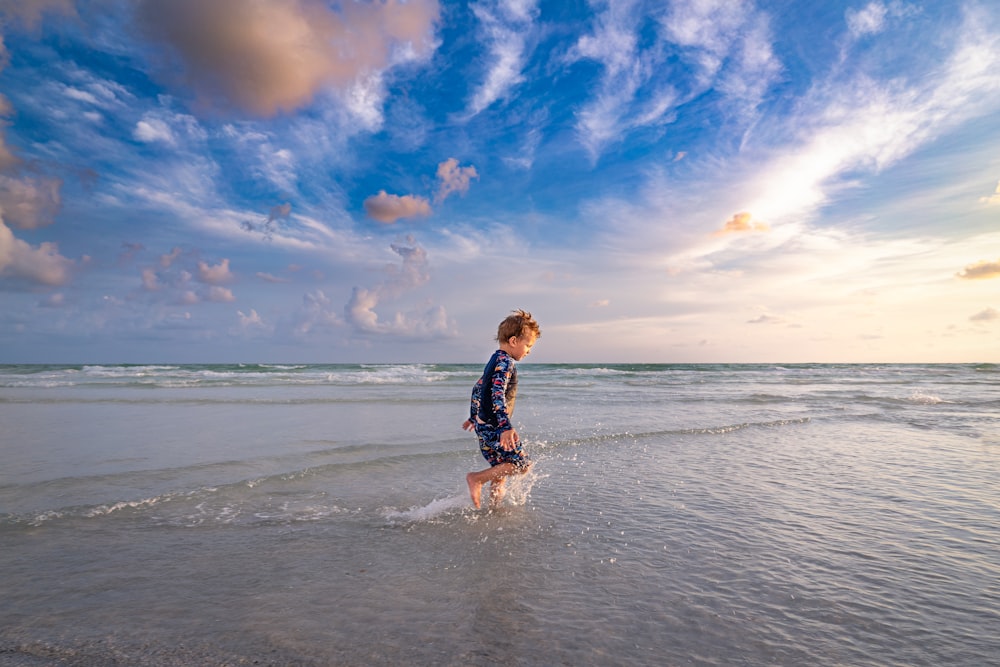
[{"x": 671, "y": 181}]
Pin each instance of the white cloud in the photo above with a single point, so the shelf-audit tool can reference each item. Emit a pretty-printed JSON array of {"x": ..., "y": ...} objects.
[
  {"x": 506, "y": 25},
  {"x": 868, "y": 20},
  {"x": 152, "y": 130},
  {"x": 727, "y": 43}
]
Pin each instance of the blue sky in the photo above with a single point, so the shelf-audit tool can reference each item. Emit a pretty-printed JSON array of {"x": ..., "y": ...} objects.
[{"x": 313, "y": 181}]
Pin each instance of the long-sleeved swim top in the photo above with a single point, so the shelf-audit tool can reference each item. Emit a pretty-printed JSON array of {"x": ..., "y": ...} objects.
[{"x": 494, "y": 395}]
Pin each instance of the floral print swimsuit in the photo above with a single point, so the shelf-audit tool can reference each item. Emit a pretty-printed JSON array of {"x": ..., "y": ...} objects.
[{"x": 492, "y": 405}]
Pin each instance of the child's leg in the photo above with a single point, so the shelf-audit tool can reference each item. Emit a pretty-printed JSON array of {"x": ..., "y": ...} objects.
[
  {"x": 497, "y": 490},
  {"x": 493, "y": 475}
]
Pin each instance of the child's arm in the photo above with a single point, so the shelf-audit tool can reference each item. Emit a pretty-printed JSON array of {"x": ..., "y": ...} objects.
[
  {"x": 470, "y": 423},
  {"x": 498, "y": 394}
]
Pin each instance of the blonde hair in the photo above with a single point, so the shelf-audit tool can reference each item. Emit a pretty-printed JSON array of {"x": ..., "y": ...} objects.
[{"x": 517, "y": 324}]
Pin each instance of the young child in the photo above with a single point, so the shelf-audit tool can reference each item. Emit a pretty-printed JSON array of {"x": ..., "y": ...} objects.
[{"x": 492, "y": 405}]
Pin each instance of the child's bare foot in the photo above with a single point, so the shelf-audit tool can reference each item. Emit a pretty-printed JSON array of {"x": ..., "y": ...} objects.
[{"x": 475, "y": 489}]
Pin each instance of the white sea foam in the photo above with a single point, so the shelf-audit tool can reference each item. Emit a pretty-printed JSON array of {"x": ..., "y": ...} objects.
[{"x": 428, "y": 512}]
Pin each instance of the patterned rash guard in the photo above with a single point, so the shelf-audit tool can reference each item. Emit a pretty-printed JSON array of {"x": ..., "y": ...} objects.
[{"x": 494, "y": 395}]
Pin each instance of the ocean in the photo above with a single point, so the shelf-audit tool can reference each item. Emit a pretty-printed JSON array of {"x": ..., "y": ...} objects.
[{"x": 318, "y": 515}]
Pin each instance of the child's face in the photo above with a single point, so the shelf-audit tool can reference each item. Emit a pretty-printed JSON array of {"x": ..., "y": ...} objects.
[{"x": 520, "y": 346}]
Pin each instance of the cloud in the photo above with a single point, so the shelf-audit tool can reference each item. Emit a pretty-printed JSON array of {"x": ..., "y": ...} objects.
[
  {"x": 271, "y": 57},
  {"x": 315, "y": 314},
  {"x": 29, "y": 12},
  {"x": 727, "y": 44},
  {"x": 271, "y": 278},
  {"x": 217, "y": 294},
  {"x": 873, "y": 17},
  {"x": 40, "y": 264},
  {"x": 981, "y": 270},
  {"x": 214, "y": 275},
  {"x": 987, "y": 315},
  {"x": 993, "y": 198},
  {"x": 251, "y": 321},
  {"x": 505, "y": 27},
  {"x": 268, "y": 227},
  {"x": 454, "y": 179},
  {"x": 29, "y": 203},
  {"x": 868, "y": 20},
  {"x": 390, "y": 208},
  {"x": 153, "y": 130},
  {"x": 176, "y": 273},
  {"x": 167, "y": 260},
  {"x": 427, "y": 321},
  {"x": 742, "y": 222},
  {"x": 766, "y": 319}
]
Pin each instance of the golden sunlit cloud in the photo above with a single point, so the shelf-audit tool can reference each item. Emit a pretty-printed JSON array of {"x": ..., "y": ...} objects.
[
  {"x": 993, "y": 198},
  {"x": 390, "y": 208},
  {"x": 981, "y": 270},
  {"x": 742, "y": 222}
]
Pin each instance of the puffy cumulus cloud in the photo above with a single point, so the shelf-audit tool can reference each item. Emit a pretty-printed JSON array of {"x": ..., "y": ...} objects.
[
  {"x": 29, "y": 203},
  {"x": 218, "y": 294},
  {"x": 269, "y": 56},
  {"x": 425, "y": 322},
  {"x": 250, "y": 321},
  {"x": 315, "y": 314},
  {"x": 390, "y": 208},
  {"x": 180, "y": 277},
  {"x": 987, "y": 315},
  {"x": 40, "y": 264},
  {"x": 214, "y": 275},
  {"x": 742, "y": 222},
  {"x": 454, "y": 179},
  {"x": 981, "y": 270}
]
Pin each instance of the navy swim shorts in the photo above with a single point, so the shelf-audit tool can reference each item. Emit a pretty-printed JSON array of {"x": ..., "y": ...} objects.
[{"x": 489, "y": 445}]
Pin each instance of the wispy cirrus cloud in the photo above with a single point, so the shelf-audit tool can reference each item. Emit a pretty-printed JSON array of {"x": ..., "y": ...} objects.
[
  {"x": 505, "y": 27},
  {"x": 727, "y": 45}
]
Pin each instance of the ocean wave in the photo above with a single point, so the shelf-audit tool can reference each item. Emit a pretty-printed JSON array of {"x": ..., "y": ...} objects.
[
  {"x": 233, "y": 504},
  {"x": 224, "y": 375}
]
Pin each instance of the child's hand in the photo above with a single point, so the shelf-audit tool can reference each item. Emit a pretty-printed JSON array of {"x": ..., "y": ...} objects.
[
  {"x": 467, "y": 425},
  {"x": 509, "y": 440}
]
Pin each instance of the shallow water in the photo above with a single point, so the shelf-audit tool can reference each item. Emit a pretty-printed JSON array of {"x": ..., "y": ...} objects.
[{"x": 675, "y": 515}]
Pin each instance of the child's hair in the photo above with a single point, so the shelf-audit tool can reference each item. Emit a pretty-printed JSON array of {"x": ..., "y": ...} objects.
[{"x": 517, "y": 324}]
